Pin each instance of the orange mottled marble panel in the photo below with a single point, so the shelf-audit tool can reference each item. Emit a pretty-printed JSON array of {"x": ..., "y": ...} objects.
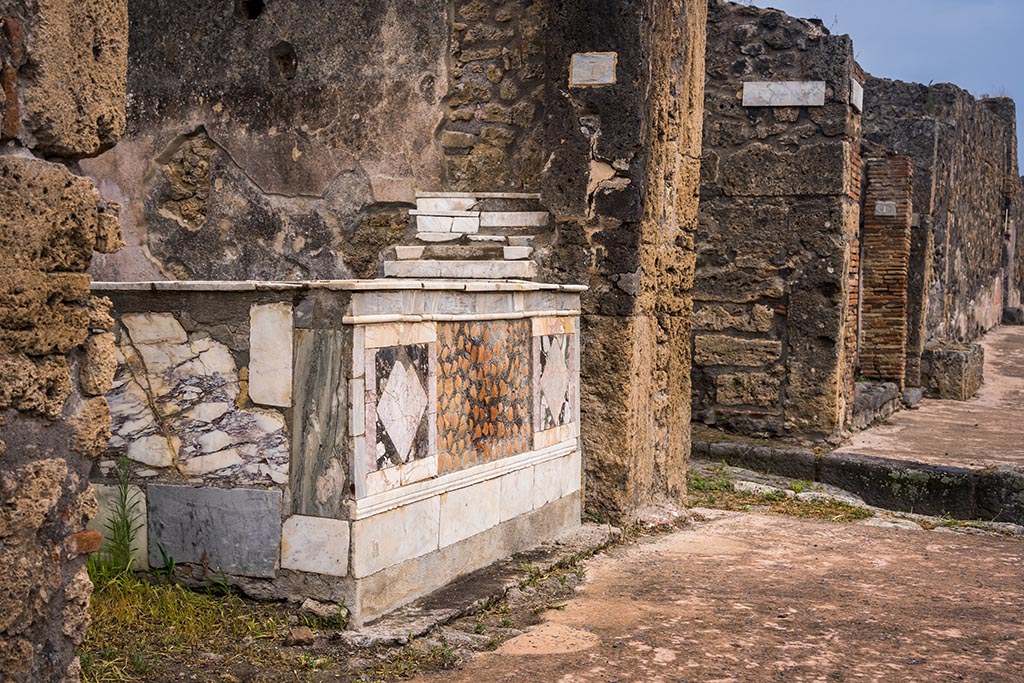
[{"x": 484, "y": 392}]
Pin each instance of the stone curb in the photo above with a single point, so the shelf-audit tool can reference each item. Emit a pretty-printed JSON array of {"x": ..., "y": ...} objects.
[
  {"x": 995, "y": 494},
  {"x": 474, "y": 592}
]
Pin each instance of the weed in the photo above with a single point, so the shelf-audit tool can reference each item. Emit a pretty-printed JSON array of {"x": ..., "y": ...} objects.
[
  {"x": 800, "y": 485},
  {"x": 115, "y": 556},
  {"x": 717, "y": 480}
]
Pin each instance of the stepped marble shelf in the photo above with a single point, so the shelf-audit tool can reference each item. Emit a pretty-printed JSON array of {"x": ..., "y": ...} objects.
[{"x": 347, "y": 440}]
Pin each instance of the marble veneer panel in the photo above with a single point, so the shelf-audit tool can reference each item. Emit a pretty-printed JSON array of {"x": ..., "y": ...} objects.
[
  {"x": 555, "y": 377},
  {"x": 484, "y": 392},
  {"x": 401, "y": 407},
  {"x": 320, "y": 443},
  {"x": 236, "y": 531},
  {"x": 177, "y": 400}
]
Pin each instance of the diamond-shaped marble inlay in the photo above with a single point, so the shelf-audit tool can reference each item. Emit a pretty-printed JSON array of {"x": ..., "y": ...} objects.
[
  {"x": 401, "y": 408},
  {"x": 400, "y": 405},
  {"x": 555, "y": 380}
]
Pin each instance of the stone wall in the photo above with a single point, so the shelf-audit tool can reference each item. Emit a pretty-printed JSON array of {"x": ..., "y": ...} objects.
[
  {"x": 278, "y": 140},
  {"x": 965, "y": 184},
  {"x": 491, "y": 136},
  {"x": 63, "y": 71},
  {"x": 621, "y": 179},
  {"x": 778, "y": 227}
]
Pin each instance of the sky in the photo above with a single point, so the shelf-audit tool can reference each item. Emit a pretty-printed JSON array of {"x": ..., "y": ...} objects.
[{"x": 972, "y": 43}]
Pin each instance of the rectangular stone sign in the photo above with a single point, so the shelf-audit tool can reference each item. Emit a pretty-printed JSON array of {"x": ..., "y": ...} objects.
[
  {"x": 236, "y": 531},
  {"x": 591, "y": 69},
  {"x": 856, "y": 95},
  {"x": 784, "y": 94},
  {"x": 885, "y": 208}
]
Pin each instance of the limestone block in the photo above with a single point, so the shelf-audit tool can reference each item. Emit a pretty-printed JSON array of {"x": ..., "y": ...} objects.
[
  {"x": 953, "y": 371},
  {"x": 270, "y": 354},
  {"x": 722, "y": 317},
  {"x": 237, "y": 531},
  {"x": 99, "y": 364},
  {"x": 70, "y": 60},
  {"x": 516, "y": 494},
  {"x": 468, "y": 511},
  {"x": 394, "y": 536},
  {"x": 716, "y": 349},
  {"x": 315, "y": 544},
  {"x": 106, "y": 498}
]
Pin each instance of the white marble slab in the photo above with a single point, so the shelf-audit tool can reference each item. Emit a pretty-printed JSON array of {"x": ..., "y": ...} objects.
[
  {"x": 405, "y": 253},
  {"x": 548, "y": 480},
  {"x": 590, "y": 69},
  {"x": 885, "y": 209},
  {"x": 438, "y": 236},
  {"x": 468, "y": 511},
  {"x": 516, "y": 253},
  {"x": 784, "y": 93},
  {"x": 384, "y": 540},
  {"x": 445, "y": 203},
  {"x": 270, "y": 354},
  {"x": 514, "y": 219},
  {"x": 315, "y": 544},
  {"x": 482, "y": 195},
  {"x": 856, "y": 95},
  {"x": 461, "y": 269},
  {"x": 516, "y": 495}
]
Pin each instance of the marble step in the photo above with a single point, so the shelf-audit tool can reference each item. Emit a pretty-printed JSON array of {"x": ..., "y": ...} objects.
[
  {"x": 473, "y": 251},
  {"x": 486, "y": 270},
  {"x": 478, "y": 201}
]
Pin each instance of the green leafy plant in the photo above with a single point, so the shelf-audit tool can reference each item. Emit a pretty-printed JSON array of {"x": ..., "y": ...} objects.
[{"x": 121, "y": 530}]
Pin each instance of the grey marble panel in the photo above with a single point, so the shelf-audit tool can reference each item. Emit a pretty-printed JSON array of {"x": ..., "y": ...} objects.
[
  {"x": 320, "y": 444},
  {"x": 235, "y": 531}
]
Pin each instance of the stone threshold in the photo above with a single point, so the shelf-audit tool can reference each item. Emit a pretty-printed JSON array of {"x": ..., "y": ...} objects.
[
  {"x": 994, "y": 494},
  {"x": 475, "y": 591},
  {"x": 448, "y": 284}
]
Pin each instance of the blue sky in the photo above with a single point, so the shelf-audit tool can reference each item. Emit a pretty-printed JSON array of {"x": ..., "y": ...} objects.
[{"x": 973, "y": 43}]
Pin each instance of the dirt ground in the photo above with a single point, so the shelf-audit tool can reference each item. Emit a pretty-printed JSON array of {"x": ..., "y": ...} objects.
[
  {"x": 978, "y": 433},
  {"x": 758, "y": 598}
]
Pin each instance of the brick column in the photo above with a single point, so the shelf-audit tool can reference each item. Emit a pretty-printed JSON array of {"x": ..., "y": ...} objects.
[{"x": 885, "y": 258}]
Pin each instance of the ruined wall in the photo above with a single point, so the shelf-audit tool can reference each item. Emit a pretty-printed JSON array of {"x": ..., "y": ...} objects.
[
  {"x": 622, "y": 181},
  {"x": 63, "y": 71},
  {"x": 274, "y": 140},
  {"x": 778, "y": 226},
  {"x": 492, "y": 133},
  {"x": 965, "y": 172}
]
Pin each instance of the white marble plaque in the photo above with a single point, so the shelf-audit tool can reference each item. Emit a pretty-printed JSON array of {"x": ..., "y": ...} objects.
[
  {"x": 856, "y": 95},
  {"x": 590, "y": 69},
  {"x": 885, "y": 209},
  {"x": 784, "y": 94}
]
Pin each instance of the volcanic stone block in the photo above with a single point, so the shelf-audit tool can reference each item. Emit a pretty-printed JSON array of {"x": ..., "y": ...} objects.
[
  {"x": 953, "y": 371},
  {"x": 717, "y": 349},
  {"x": 237, "y": 531}
]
